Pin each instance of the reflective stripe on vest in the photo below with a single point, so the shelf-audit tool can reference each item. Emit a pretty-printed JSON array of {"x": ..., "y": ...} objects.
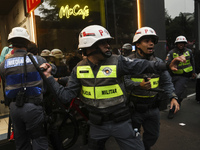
[
  {"x": 15, "y": 78},
  {"x": 154, "y": 81},
  {"x": 108, "y": 71},
  {"x": 99, "y": 92},
  {"x": 154, "y": 84},
  {"x": 183, "y": 67},
  {"x": 84, "y": 72},
  {"x": 102, "y": 92}
]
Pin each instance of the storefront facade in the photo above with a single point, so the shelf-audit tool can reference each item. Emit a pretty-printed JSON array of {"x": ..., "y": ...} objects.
[{"x": 59, "y": 23}]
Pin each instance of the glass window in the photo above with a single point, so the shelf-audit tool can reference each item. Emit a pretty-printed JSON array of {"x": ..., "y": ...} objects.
[{"x": 59, "y": 22}]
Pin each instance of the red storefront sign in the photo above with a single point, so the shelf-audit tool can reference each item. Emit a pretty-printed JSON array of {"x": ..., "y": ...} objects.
[{"x": 32, "y": 4}]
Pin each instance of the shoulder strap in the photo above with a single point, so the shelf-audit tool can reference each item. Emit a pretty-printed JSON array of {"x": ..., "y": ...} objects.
[{"x": 25, "y": 72}]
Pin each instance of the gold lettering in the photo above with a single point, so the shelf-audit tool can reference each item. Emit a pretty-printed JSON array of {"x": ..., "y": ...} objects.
[{"x": 75, "y": 11}]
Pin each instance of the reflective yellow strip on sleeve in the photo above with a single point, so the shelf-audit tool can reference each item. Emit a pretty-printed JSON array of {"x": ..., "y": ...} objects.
[
  {"x": 84, "y": 72},
  {"x": 107, "y": 71},
  {"x": 88, "y": 92},
  {"x": 105, "y": 92}
]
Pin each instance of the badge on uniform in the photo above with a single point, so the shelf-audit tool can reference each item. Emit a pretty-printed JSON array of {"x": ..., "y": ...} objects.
[{"x": 107, "y": 71}]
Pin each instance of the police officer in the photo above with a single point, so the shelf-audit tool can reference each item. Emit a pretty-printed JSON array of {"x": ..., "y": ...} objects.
[
  {"x": 145, "y": 102},
  {"x": 23, "y": 88},
  {"x": 45, "y": 54},
  {"x": 57, "y": 58},
  {"x": 126, "y": 49},
  {"x": 99, "y": 80},
  {"x": 185, "y": 70}
]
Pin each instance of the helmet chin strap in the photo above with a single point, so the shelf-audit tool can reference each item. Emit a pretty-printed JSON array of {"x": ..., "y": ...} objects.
[{"x": 147, "y": 56}]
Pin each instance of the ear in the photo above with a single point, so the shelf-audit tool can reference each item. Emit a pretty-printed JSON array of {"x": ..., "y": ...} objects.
[{"x": 137, "y": 45}]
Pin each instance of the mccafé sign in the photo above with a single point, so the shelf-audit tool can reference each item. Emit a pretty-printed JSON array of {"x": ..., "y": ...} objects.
[
  {"x": 32, "y": 4},
  {"x": 76, "y": 10}
]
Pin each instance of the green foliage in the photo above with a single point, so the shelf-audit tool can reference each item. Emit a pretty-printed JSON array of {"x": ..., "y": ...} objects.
[{"x": 180, "y": 25}]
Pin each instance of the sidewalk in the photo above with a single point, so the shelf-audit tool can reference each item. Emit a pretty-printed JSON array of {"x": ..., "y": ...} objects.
[{"x": 183, "y": 131}]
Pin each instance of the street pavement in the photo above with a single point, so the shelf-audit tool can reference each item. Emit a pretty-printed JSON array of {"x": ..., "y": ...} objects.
[{"x": 180, "y": 133}]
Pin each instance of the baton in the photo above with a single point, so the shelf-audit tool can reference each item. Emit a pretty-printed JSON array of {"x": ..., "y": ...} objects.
[{"x": 46, "y": 82}]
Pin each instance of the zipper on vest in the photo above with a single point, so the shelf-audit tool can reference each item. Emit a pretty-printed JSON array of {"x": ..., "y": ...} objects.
[{"x": 95, "y": 102}]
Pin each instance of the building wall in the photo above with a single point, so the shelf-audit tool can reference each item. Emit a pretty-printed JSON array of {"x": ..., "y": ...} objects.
[
  {"x": 154, "y": 17},
  {"x": 16, "y": 17}
]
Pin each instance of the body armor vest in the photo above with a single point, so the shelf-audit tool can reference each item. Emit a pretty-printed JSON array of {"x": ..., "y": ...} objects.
[
  {"x": 104, "y": 89},
  {"x": 15, "y": 77},
  {"x": 138, "y": 92},
  {"x": 183, "y": 67}
]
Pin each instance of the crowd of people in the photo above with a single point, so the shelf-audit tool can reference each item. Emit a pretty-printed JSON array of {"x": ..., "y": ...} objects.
[{"x": 119, "y": 88}]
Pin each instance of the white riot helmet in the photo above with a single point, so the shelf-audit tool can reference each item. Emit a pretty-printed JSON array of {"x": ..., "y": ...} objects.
[
  {"x": 57, "y": 53},
  {"x": 19, "y": 32},
  {"x": 181, "y": 39},
  {"x": 91, "y": 34},
  {"x": 144, "y": 31},
  {"x": 45, "y": 53},
  {"x": 127, "y": 46}
]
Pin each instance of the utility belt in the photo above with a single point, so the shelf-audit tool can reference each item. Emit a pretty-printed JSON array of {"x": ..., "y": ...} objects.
[
  {"x": 21, "y": 99},
  {"x": 143, "y": 104},
  {"x": 118, "y": 116}
]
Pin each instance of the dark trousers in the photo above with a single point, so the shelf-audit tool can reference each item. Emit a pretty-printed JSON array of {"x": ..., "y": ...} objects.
[
  {"x": 123, "y": 133},
  {"x": 180, "y": 85},
  {"x": 150, "y": 121},
  {"x": 198, "y": 89},
  {"x": 28, "y": 129}
]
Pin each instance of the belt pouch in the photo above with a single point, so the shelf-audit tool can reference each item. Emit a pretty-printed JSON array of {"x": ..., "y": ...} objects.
[
  {"x": 20, "y": 99},
  {"x": 121, "y": 115},
  {"x": 95, "y": 118}
]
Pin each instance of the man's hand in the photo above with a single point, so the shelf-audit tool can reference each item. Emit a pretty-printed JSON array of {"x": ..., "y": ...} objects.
[
  {"x": 194, "y": 76},
  {"x": 174, "y": 103},
  {"x": 145, "y": 85},
  {"x": 174, "y": 63},
  {"x": 47, "y": 67}
]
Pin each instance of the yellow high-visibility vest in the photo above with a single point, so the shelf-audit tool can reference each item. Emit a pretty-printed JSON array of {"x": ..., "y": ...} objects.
[
  {"x": 154, "y": 84},
  {"x": 183, "y": 67},
  {"x": 103, "y": 89}
]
